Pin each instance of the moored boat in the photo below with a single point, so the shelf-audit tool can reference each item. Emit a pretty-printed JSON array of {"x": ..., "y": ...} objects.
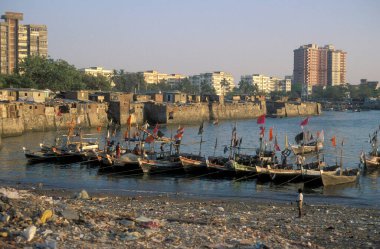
[
  {"x": 339, "y": 177},
  {"x": 307, "y": 148},
  {"x": 160, "y": 166},
  {"x": 193, "y": 163}
]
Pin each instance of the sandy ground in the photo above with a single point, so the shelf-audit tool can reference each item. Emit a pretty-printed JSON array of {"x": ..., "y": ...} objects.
[{"x": 67, "y": 219}]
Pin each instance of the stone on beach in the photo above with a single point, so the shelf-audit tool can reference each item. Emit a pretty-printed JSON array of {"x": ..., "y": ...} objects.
[{"x": 29, "y": 233}]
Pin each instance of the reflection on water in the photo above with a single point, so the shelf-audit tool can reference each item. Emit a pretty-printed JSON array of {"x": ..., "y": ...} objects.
[{"x": 352, "y": 127}]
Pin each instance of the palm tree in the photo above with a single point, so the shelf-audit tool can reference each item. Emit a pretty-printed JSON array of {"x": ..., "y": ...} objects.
[{"x": 224, "y": 83}]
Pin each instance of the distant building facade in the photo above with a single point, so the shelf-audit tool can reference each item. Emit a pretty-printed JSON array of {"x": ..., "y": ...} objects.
[
  {"x": 321, "y": 66},
  {"x": 155, "y": 77},
  {"x": 19, "y": 41},
  {"x": 268, "y": 84},
  {"x": 97, "y": 71},
  {"x": 216, "y": 80}
]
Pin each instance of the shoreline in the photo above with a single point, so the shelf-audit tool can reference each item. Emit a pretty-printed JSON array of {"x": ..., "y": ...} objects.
[{"x": 104, "y": 220}]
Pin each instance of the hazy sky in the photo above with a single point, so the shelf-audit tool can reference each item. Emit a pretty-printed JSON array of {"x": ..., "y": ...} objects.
[{"x": 190, "y": 37}]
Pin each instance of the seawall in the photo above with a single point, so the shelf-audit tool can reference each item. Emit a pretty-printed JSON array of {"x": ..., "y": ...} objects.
[
  {"x": 166, "y": 113},
  {"x": 17, "y": 118}
]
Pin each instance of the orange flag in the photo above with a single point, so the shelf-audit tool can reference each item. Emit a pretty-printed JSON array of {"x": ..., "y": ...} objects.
[
  {"x": 333, "y": 141},
  {"x": 129, "y": 121},
  {"x": 99, "y": 128},
  {"x": 270, "y": 134}
]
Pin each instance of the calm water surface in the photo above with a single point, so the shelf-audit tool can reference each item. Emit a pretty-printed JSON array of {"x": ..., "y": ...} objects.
[{"x": 353, "y": 128}]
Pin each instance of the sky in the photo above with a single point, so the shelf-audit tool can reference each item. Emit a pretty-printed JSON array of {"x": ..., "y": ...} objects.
[{"x": 191, "y": 37}]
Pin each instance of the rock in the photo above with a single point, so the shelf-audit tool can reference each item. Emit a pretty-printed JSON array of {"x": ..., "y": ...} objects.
[
  {"x": 29, "y": 233},
  {"x": 3, "y": 234},
  {"x": 132, "y": 236},
  {"x": 309, "y": 244},
  {"x": 5, "y": 218},
  {"x": 127, "y": 223},
  {"x": 51, "y": 244},
  {"x": 70, "y": 214},
  {"x": 203, "y": 211},
  {"x": 83, "y": 195},
  {"x": 47, "y": 232},
  {"x": 221, "y": 209},
  {"x": 148, "y": 223}
]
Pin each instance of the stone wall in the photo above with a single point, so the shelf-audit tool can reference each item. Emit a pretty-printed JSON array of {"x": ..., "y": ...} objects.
[
  {"x": 38, "y": 117},
  {"x": 198, "y": 112}
]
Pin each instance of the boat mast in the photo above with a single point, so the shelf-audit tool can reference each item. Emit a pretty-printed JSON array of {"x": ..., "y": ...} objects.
[{"x": 341, "y": 159}]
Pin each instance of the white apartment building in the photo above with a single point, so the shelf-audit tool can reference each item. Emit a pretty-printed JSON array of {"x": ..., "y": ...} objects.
[
  {"x": 99, "y": 71},
  {"x": 154, "y": 77},
  {"x": 96, "y": 71},
  {"x": 267, "y": 84},
  {"x": 216, "y": 80}
]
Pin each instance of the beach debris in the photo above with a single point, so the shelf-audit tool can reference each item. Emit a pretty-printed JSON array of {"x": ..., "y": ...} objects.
[
  {"x": 70, "y": 214},
  {"x": 29, "y": 233},
  {"x": 83, "y": 195},
  {"x": 46, "y": 215},
  {"x": 221, "y": 209}
]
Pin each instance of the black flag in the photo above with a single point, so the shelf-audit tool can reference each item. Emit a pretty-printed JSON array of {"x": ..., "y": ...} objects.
[{"x": 200, "y": 129}]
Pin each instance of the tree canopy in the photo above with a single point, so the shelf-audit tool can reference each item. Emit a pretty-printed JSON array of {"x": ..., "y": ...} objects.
[{"x": 57, "y": 75}]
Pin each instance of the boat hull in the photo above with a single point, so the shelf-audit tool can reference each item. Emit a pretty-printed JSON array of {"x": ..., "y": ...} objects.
[
  {"x": 372, "y": 161},
  {"x": 193, "y": 165},
  {"x": 159, "y": 166},
  {"x": 336, "y": 179},
  {"x": 298, "y": 150}
]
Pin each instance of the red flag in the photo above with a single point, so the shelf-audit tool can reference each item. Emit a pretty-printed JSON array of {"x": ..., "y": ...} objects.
[
  {"x": 262, "y": 130},
  {"x": 155, "y": 130},
  {"x": 305, "y": 122},
  {"x": 333, "y": 141},
  {"x": 149, "y": 139},
  {"x": 270, "y": 134},
  {"x": 261, "y": 119},
  {"x": 59, "y": 112},
  {"x": 276, "y": 146},
  {"x": 99, "y": 128}
]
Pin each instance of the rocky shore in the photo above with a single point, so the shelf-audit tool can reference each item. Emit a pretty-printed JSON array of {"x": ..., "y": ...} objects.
[{"x": 37, "y": 218}]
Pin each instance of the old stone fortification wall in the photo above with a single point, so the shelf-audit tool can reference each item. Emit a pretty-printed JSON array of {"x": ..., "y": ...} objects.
[
  {"x": 289, "y": 109},
  {"x": 38, "y": 117},
  {"x": 198, "y": 112}
]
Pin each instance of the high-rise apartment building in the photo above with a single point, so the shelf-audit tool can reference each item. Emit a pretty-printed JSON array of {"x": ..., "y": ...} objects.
[
  {"x": 19, "y": 41},
  {"x": 315, "y": 65},
  {"x": 221, "y": 81}
]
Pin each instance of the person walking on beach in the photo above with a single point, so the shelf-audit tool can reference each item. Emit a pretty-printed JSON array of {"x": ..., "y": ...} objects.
[{"x": 300, "y": 202}]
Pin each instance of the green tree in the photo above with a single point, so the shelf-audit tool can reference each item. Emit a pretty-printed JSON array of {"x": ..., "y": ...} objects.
[
  {"x": 296, "y": 90},
  {"x": 96, "y": 82},
  {"x": 48, "y": 73},
  {"x": 225, "y": 85},
  {"x": 246, "y": 88},
  {"x": 187, "y": 87},
  {"x": 206, "y": 88}
]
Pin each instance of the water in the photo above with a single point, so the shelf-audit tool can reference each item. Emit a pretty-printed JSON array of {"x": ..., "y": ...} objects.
[{"x": 352, "y": 128}]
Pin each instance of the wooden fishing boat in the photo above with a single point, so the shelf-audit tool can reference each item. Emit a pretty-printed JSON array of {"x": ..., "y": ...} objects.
[
  {"x": 241, "y": 168},
  {"x": 372, "y": 161},
  {"x": 283, "y": 173},
  {"x": 193, "y": 163},
  {"x": 160, "y": 166},
  {"x": 52, "y": 156},
  {"x": 307, "y": 148},
  {"x": 339, "y": 177},
  {"x": 219, "y": 164}
]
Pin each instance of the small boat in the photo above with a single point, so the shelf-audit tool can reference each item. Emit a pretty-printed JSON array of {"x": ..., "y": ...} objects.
[
  {"x": 285, "y": 173},
  {"x": 372, "y": 160},
  {"x": 219, "y": 164},
  {"x": 193, "y": 163},
  {"x": 52, "y": 156},
  {"x": 168, "y": 165},
  {"x": 339, "y": 177},
  {"x": 306, "y": 143},
  {"x": 307, "y": 148}
]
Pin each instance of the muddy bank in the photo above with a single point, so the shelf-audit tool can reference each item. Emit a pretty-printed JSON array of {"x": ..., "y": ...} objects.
[{"x": 64, "y": 219}]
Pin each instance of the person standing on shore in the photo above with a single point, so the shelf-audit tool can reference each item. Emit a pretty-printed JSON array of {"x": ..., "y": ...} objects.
[{"x": 300, "y": 202}]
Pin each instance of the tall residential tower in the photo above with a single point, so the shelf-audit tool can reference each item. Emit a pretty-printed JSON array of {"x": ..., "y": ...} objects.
[
  {"x": 19, "y": 41},
  {"x": 321, "y": 66}
]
